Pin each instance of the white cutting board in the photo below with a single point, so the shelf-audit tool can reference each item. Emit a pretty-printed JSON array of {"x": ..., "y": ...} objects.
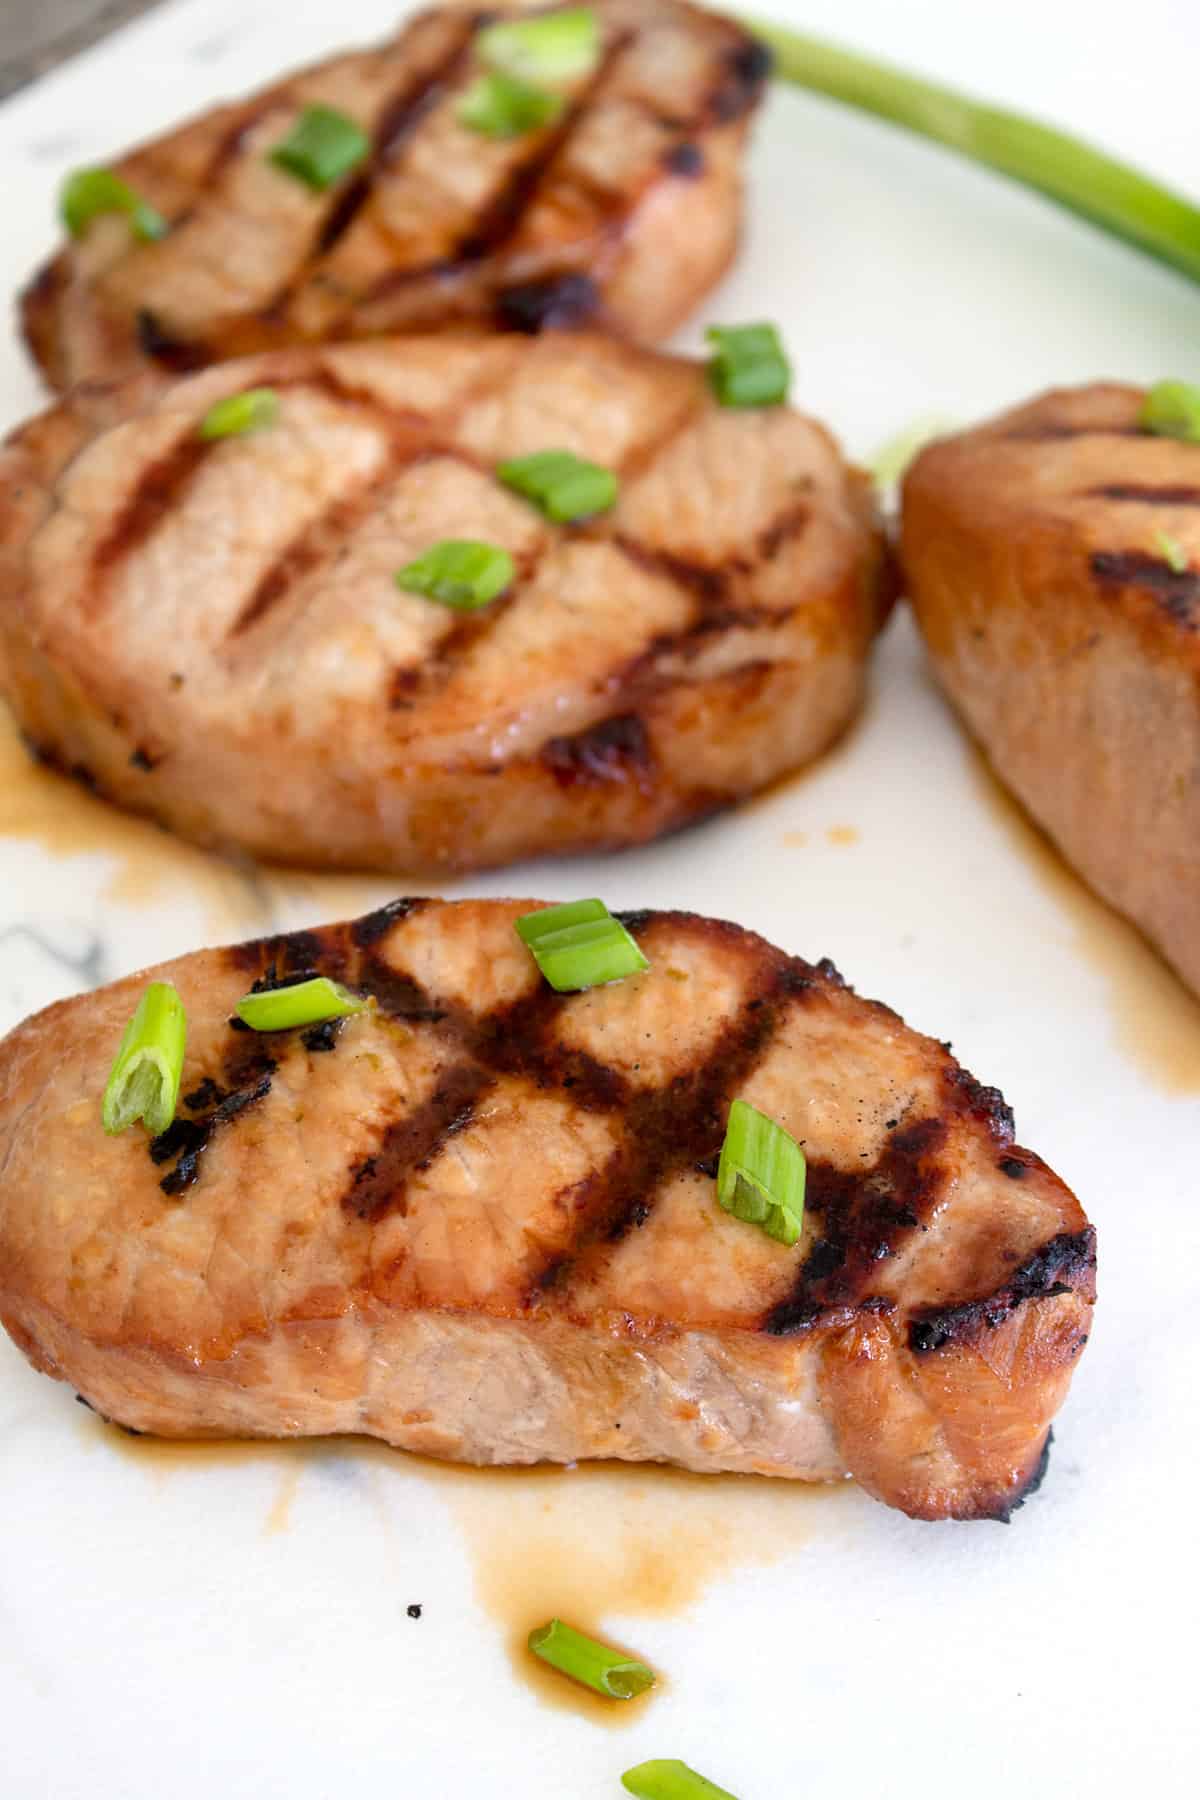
[{"x": 179, "y": 1624}]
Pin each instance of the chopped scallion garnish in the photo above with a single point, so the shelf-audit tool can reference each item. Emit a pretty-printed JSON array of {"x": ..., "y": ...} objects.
[
  {"x": 236, "y": 414},
  {"x": 562, "y": 485},
  {"x": 760, "y": 1177},
  {"x": 598, "y": 1666},
  {"x": 671, "y": 1780},
  {"x": 579, "y": 945},
  {"x": 144, "y": 1083},
  {"x": 558, "y": 46},
  {"x": 748, "y": 366},
  {"x": 1109, "y": 193},
  {"x": 459, "y": 572},
  {"x": 1172, "y": 552},
  {"x": 1172, "y": 409},
  {"x": 322, "y": 146},
  {"x": 500, "y": 106},
  {"x": 89, "y": 192},
  {"x": 305, "y": 1003}
]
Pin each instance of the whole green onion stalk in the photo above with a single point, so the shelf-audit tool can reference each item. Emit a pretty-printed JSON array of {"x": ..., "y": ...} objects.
[{"x": 1111, "y": 194}]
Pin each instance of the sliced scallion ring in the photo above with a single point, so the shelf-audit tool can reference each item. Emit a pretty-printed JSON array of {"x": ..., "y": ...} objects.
[
  {"x": 459, "y": 572},
  {"x": 1172, "y": 409},
  {"x": 579, "y": 945},
  {"x": 748, "y": 366},
  {"x": 304, "y": 1003},
  {"x": 500, "y": 106},
  {"x": 88, "y": 193},
  {"x": 670, "y": 1780},
  {"x": 557, "y": 46},
  {"x": 562, "y": 485},
  {"x": 597, "y": 1666},
  {"x": 145, "y": 1078},
  {"x": 761, "y": 1174},
  {"x": 237, "y": 414},
  {"x": 322, "y": 146}
]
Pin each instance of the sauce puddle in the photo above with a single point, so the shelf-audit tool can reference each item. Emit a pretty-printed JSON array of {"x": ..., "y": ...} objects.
[
  {"x": 590, "y": 1544},
  {"x": 1157, "y": 1020},
  {"x": 38, "y": 805}
]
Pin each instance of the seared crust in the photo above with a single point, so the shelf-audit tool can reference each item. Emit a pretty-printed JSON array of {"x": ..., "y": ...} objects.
[
  {"x": 1039, "y": 552},
  {"x": 212, "y": 633},
  {"x": 479, "y": 1221},
  {"x": 621, "y": 213}
]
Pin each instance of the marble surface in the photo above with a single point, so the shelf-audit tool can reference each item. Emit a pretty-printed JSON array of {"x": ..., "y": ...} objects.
[
  {"x": 37, "y": 35},
  {"x": 173, "y": 1621}
]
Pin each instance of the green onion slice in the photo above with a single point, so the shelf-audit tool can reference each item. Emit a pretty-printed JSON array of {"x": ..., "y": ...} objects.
[
  {"x": 1172, "y": 552},
  {"x": 144, "y": 1083},
  {"x": 562, "y": 485},
  {"x": 322, "y": 146},
  {"x": 748, "y": 366},
  {"x": 459, "y": 572},
  {"x": 1112, "y": 195},
  {"x": 760, "y": 1177},
  {"x": 89, "y": 192},
  {"x": 500, "y": 106},
  {"x": 579, "y": 945},
  {"x": 253, "y": 410},
  {"x": 1172, "y": 409},
  {"x": 305, "y": 1003},
  {"x": 671, "y": 1780},
  {"x": 598, "y": 1666},
  {"x": 559, "y": 46}
]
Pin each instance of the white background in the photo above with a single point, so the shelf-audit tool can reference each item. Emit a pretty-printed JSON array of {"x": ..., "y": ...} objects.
[{"x": 171, "y": 1629}]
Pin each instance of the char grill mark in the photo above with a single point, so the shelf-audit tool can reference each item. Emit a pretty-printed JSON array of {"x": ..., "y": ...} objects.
[
  {"x": 1066, "y": 1263},
  {"x": 866, "y": 1215},
  {"x": 179, "y": 356},
  {"x": 502, "y": 215},
  {"x": 410, "y": 1144},
  {"x": 161, "y": 486},
  {"x": 1148, "y": 493},
  {"x": 1177, "y": 592},
  {"x": 556, "y": 303},
  {"x": 747, "y": 70},
  {"x": 318, "y": 543},
  {"x": 247, "y": 1080},
  {"x": 617, "y": 749}
]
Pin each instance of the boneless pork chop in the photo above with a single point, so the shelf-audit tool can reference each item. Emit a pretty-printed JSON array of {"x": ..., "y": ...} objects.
[
  {"x": 1053, "y": 559},
  {"x": 479, "y": 1220},
  {"x": 211, "y": 631},
  {"x": 624, "y": 209}
]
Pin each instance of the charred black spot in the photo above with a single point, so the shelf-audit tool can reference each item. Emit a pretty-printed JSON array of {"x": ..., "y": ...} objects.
[
  {"x": 1177, "y": 591},
  {"x": 684, "y": 159},
  {"x": 747, "y": 68},
  {"x": 323, "y": 1037},
  {"x": 986, "y": 1104},
  {"x": 142, "y": 759},
  {"x": 1067, "y": 1262},
  {"x": 558, "y": 303},
  {"x": 414, "y": 1611},
  {"x": 1003, "y": 1514},
  {"x": 617, "y": 749},
  {"x": 186, "y": 1140},
  {"x": 708, "y": 1165},
  {"x": 367, "y": 931},
  {"x": 1013, "y": 1167},
  {"x": 171, "y": 352},
  {"x": 635, "y": 919},
  {"x": 208, "y": 1094},
  {"x": 829, "y": 971}
]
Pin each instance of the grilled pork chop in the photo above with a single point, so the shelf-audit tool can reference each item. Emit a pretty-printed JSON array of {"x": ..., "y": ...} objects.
[
  {"x": 212, "y": 632},
  {"x": 623, "y": 211},
  {"x": 1053, "y": 559},
  {"x": 479, "y": 1221}
]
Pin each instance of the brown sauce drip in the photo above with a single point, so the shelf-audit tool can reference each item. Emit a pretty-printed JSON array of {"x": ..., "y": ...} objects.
[{"x": 597, "y": 1545}]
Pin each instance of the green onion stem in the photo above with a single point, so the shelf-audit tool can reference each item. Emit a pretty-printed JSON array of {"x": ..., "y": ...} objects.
[
  {"x": 598, "y": 1666},
  {"x": 670, "y": 1780},
  {"x": 145, "y": 1077},
  {"x": 1076, "y": 175}
]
